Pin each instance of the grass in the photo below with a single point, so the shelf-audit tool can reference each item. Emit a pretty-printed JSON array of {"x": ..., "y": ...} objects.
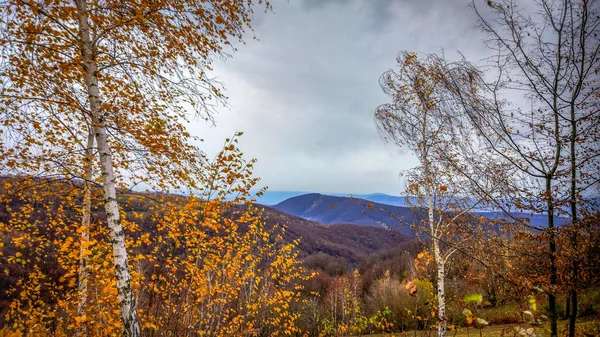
[{"x": 504, "y": 330}]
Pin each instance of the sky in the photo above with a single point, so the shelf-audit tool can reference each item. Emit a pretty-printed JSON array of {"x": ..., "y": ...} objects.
[{"x": 305, "y": 91}]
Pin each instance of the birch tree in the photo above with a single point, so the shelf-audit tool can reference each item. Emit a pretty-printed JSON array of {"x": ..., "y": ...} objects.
[
  {"x": 423, "y": 116},
  {"x": 129, "y": 70}
]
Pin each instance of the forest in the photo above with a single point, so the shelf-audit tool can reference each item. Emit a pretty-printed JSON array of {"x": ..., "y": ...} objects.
[{"x": 115, "y": 221}]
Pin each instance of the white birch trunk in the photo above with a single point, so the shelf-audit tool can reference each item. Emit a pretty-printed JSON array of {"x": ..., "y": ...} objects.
[
  {"x": 85, "y": 233},
  {"x": 131, "y": 326},
  {"x": 441, "y": 292},
  {"x": 439, "y": 263}
]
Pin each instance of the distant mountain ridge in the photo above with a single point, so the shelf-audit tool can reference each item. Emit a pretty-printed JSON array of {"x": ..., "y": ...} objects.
[{"x": 328, "y": 209}]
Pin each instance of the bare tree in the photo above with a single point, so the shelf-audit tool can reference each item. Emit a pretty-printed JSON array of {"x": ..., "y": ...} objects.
[{"x": 538, "y": 117}]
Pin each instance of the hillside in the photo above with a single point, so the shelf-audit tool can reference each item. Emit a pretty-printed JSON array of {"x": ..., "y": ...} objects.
[
  {"x": 347, "y": 241},
  {"x": 330, "y": 250}
]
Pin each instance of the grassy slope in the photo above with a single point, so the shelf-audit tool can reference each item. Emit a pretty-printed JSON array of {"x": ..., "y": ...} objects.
[{"x": 505, "y": 330}]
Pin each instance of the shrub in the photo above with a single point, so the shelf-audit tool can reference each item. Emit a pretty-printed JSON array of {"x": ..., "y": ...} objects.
[{"x": 406, "y": 311}]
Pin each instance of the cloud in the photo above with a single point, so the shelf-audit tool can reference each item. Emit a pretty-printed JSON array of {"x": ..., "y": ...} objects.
[{"x": 304, "y": 93}]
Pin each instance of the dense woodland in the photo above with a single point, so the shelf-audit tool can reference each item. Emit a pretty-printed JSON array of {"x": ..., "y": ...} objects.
[{"x": 95, "y": 97}]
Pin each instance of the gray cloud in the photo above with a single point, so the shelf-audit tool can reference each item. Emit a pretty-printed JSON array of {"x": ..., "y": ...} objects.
[{"x": 304, "y": 94}]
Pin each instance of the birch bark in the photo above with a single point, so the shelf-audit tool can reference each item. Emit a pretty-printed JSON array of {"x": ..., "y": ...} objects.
[
  {"x": 439, "y": 262},
  {"x": 131, "y": 327}
]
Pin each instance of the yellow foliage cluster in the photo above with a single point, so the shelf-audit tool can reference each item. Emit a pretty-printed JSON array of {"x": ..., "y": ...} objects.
[{"x": 200, "y": 265}]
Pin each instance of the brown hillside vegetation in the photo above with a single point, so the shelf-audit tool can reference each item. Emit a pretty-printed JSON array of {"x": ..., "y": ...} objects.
[
  {"x": 193, "y": 268},
  {"x": 333, "y": 249},
  {"x": 348, "y": 241}
]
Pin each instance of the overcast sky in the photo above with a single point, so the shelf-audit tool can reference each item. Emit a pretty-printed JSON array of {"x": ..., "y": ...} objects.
[{"x": 304, "y": 94}]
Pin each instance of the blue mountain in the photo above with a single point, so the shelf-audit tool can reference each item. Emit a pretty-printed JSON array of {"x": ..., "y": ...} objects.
[{"x": 329, "y": 209}]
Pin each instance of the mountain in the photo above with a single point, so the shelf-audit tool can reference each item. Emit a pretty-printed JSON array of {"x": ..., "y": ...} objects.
[
  {"x": 270, "y": 198},
  {"x": 329, "y": 209}
]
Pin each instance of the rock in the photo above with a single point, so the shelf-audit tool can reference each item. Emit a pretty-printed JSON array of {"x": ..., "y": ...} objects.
[
  {"x": 480, "y": 323},
  {"x": 519, "y": 331},
  {"x": 527, "y": 316}
]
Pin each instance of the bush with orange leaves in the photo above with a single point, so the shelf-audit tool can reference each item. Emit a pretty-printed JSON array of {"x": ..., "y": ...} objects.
[{"x": 200, "y": 265}]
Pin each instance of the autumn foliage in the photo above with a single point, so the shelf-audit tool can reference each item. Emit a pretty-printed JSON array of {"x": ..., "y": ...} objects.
[
  {"x": 95, "y": 97},
  {"x": 199, "y": 266}
]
